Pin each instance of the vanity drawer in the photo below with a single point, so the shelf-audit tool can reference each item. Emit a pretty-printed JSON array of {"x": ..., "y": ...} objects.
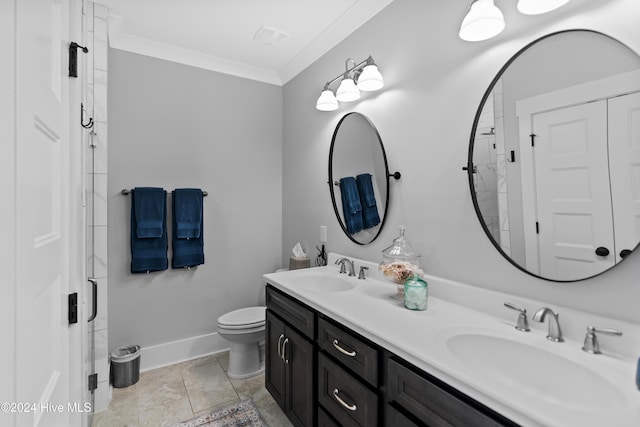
[
  {"x": 359, "y": 406},
  {"x": 431, "y": 401},
  {"x": 394, "y": 418},
  {"x": 294, "y": 313},
  {"x": 325, "y": 420},
  {"x": 351, "y": 351}
]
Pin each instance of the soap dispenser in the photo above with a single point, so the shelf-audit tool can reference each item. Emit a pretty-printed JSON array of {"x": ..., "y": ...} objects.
[{"x": 400, "y": 262}]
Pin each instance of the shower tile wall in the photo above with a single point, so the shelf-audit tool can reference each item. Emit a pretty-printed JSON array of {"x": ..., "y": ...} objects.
[
  {"x": 96, "y": 167},
  {"x": 490, "y": 160},
  {"x": 501, "y": 170},
  {"x": 484, "y": 159}
]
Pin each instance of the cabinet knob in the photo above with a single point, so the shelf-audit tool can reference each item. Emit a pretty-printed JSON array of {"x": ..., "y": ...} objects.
[
  {"x": 602, "y": 251},
  {"x": 624, "y": 253}
]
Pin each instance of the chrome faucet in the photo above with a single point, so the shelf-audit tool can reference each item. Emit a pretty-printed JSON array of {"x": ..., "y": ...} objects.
[
  {"x": 347, "y": 261},
  {"x": 362, "y": 274},
  {"x": 554, "y": 334},
  {"x": 591, "y": 340}
]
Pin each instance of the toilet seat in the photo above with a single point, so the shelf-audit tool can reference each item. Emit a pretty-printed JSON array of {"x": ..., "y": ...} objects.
[{"x": 244, "y": 318}]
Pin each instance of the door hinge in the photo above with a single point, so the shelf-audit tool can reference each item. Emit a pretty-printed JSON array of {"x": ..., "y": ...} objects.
[
  {"x": 537, "y": 228},
  {"x": 533, "y": 143},
  {"x": 93, "y": 382},
  {"x": 73, "y": 308}
]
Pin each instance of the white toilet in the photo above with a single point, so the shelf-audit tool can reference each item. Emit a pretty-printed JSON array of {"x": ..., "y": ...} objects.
[{"x": 245, "y": 329}]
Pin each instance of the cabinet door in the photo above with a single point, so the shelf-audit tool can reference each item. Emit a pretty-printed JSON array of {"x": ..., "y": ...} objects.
[
  {"x": 275, "y": 367},
  {"x": 299, "y": 356}
]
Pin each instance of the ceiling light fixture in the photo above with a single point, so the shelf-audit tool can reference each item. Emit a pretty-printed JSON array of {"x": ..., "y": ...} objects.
[
  {"x": 485, "y": 20},
  {"x": 363, "y": 76}
]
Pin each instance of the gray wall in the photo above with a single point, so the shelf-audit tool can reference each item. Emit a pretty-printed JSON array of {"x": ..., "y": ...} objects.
[
  {"x": 424, "y": 116},
  {"x": 176, "y": 126}
]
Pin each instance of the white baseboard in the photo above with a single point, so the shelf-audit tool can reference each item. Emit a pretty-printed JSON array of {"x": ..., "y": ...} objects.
[{"x": 157, "y": 356}]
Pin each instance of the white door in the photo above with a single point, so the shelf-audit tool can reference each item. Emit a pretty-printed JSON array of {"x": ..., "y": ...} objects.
[
  {"x": 624, "y": 149},
  {"x": 47, "y": 352},
  {"x": 572, "y": 191}
]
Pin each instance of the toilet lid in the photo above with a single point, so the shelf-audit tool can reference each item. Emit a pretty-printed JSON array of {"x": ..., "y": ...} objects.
[{"x": 251, "y": 316}]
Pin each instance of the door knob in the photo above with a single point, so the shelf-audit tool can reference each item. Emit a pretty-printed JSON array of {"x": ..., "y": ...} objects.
[
  {"x": 624, "y": 253},
  {"x": 602, "y": 251}
]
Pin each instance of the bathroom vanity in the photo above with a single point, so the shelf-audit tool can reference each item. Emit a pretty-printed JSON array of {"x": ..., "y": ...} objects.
[{"x": 340, "y": 351}]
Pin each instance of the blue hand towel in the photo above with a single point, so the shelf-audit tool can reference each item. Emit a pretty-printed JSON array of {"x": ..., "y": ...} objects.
[
  {"x": 187, "y": 252},
  {"x": 188, "y": 212},
  {"x": 149, "y": 253},
  {"x": 150, "y": 208},
  {"x": 351, "y": 207},
  {"x": 367, "y": 200}
]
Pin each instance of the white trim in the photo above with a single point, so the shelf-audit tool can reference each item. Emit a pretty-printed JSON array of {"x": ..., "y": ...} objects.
[
  {"x": 170, "y": 353},
  {"x": 604, "y": 88},
  {"x": 356, "y": 15},
  {"x": 607, "y": 87},
  {"x": 118, "y": 39}
]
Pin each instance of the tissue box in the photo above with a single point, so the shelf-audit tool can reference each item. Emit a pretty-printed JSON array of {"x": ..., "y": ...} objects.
[{"x": 296, "y": 262}]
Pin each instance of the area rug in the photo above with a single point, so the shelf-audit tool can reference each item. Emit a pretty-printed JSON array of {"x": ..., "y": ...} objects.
[{"x": 242, "y": 414}]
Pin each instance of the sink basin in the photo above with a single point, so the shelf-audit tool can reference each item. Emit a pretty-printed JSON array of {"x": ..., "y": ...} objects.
[
  {"x": 537, "y": 372},
  {"x": 322, "y": 282}
]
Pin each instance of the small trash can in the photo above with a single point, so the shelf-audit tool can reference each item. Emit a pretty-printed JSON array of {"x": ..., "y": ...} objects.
[{"x": 125, "y": 366}]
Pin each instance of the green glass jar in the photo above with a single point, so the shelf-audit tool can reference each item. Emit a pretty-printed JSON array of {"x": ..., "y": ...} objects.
[{"x": 415, "y": 294}]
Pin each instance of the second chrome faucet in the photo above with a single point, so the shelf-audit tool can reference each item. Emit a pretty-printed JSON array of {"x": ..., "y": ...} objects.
[
  {"x": 346, "y": 261},
  {"x": 555, "y": 333}
]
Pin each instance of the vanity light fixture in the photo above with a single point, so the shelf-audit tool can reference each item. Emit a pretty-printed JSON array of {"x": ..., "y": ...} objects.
[
  {"x": 537, "y": 7},
  {"x": 485, "y": 20},
  {"x": 364, "y": 76}
]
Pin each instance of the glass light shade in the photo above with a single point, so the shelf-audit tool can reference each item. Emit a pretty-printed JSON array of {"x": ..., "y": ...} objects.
[
  {"x": 347, "y": 91},
  {"x": 537, "y": 7},
  {"x": 326, "y": 101},
  {"x": 370, "y": 79},
  {"x": 483, "y": 21}
]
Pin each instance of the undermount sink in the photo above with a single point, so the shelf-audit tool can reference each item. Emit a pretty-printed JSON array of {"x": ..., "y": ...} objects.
[
  {"x": 322, "y": 282},
  {"x": 534, "y": 371}
]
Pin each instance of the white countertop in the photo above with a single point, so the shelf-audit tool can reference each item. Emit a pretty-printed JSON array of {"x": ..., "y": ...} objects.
[{"x": 420, "y": 337}]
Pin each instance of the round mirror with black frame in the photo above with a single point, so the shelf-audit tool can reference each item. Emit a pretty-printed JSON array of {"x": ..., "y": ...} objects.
[
  {"x": 554, "y": 156},
  {"x": 359, "y": 178}
]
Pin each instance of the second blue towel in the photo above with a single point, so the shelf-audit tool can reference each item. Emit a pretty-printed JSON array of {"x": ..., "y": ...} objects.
[
  {"x": 370, "y": 214},
  {"x": 187, "y": 251}
]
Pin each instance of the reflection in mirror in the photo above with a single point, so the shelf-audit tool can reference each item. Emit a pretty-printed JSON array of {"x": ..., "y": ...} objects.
[
  {"x": 554, "y": 158},
  {"x": 358, "y": 178}
]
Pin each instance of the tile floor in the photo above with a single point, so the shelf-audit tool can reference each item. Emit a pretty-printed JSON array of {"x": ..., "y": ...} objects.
[{"x": 183, "y": 391}]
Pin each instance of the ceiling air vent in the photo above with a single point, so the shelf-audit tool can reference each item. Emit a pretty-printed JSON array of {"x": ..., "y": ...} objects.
[{"x": 271, "y": 36}]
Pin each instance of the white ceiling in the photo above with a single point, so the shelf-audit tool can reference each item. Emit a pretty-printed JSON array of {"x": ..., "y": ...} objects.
[{"x": 219, "y": 34}]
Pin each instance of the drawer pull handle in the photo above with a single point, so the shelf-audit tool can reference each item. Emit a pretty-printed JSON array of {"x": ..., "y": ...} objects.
[
  {"x": 342, "y": 402},
  {"x": 280, "y": 338},
  {"x": 285, "y": 357},
  {"x": 342, "y": 350}
]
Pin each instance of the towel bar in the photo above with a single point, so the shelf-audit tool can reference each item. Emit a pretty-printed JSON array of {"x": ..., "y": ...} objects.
[
  {"x": 126, "y": 192},
  {"x": 395, "y": 175}
]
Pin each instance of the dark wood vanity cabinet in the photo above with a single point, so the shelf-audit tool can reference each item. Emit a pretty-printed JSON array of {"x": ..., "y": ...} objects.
[
  {"x": 416, "y": 398},
  {"x": 324, "y": 374},
  {"x": 290, "y": 358}
]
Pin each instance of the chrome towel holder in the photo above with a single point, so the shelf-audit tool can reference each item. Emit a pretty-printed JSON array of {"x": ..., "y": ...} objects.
[{"x": 126, "y": 192}]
